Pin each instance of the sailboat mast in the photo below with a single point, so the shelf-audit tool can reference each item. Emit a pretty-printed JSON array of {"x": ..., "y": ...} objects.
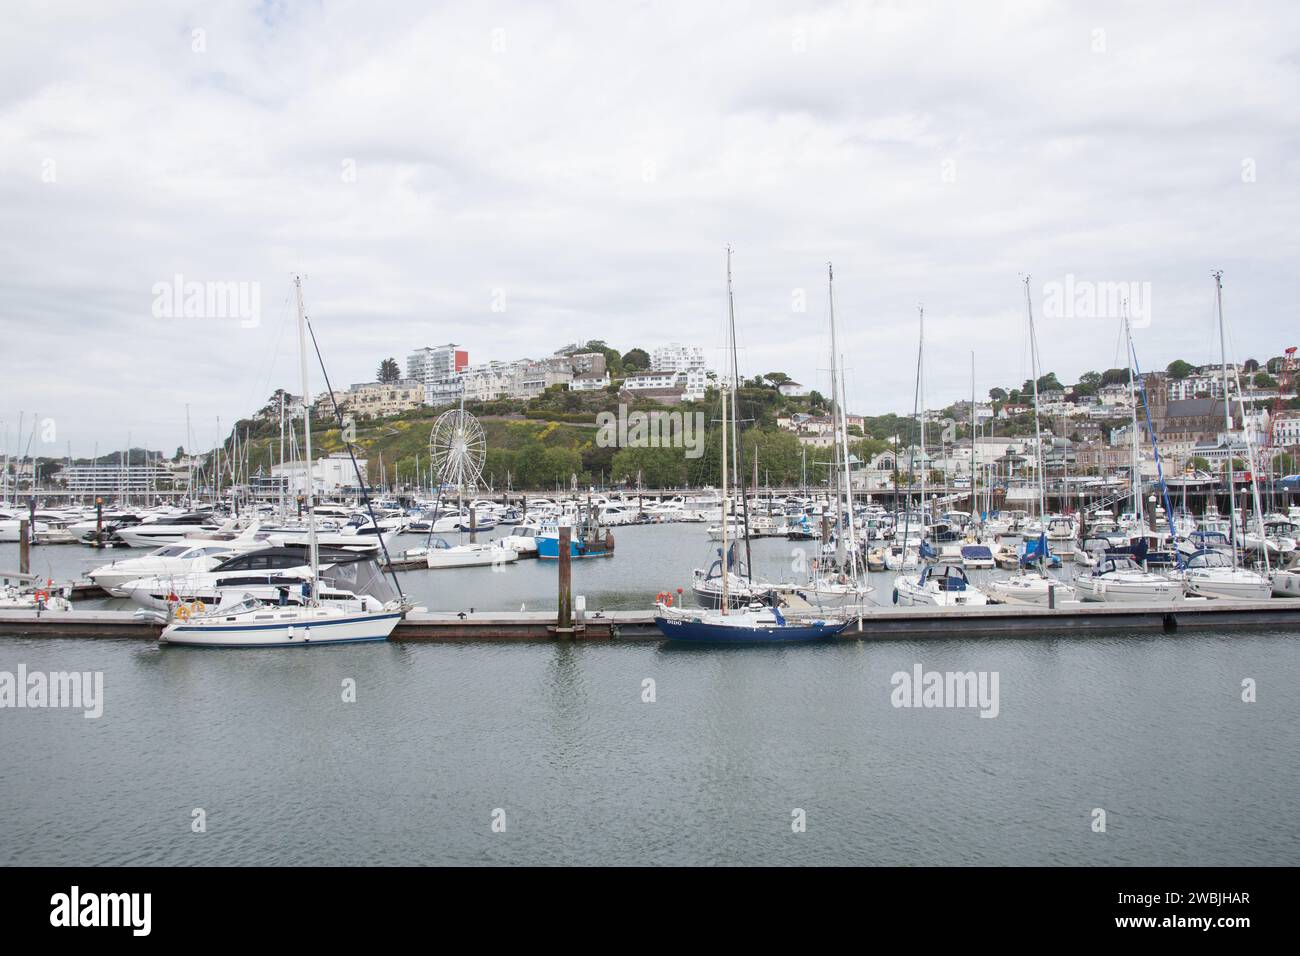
[
  {"x": 726, "y": 567},
  {"x": 1039, "y": 462},
  {"x": 735, "y": 420},
  {"x": 920, "y": 389},
  {"x": 974, "y": 473},
  {"x": 841, "y": 427},
  {"x": 313, "y": 552},
  {"x": 1132, "y": 397},
  {"x": 1227, "y": 414}
]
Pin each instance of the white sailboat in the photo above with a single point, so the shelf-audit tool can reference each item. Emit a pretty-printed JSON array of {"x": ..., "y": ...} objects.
[
  {"x": 845, "y": 586},
  {"x": 251, "y": 623},
  {"x": 1211, "y": 573},
  {"x": 943, "y": 585},
  {"x": 1034, "y": 585}
]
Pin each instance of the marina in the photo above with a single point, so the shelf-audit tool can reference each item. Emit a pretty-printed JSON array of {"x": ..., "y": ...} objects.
[{"x": 607, "y": 436}]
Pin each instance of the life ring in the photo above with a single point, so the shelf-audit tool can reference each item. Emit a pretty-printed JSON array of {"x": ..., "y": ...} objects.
[
  {"x": 665, "y": 598},
  {"x": 41, "y": 596},
  {"x": 182, "y": 613},
  {"x": 198, "y": 607}
]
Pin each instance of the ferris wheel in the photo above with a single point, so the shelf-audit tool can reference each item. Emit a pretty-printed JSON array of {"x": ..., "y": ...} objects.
[{"x": 457, "y": 449}]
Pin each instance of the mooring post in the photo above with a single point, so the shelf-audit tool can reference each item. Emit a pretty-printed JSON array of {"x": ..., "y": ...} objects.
[
  {"x": 564, "y": 620},
  {"x": 99, "y": 522},
  {"x": 473, "y": 525},
  {"x": 24, "y": 547}
]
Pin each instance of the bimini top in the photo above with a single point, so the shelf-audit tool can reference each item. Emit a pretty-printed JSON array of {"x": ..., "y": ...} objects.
[{"x": 949, "y": 577}]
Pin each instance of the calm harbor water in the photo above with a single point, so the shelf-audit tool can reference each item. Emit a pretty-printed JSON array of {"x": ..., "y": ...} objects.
[{"x": 1150, "y": 728}]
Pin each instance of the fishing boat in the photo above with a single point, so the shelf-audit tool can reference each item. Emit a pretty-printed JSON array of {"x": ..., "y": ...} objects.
[{"x": 249, "y": 622}]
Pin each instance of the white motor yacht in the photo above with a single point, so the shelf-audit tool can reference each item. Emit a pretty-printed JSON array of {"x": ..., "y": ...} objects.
[{"x": 1121, "y": 580}]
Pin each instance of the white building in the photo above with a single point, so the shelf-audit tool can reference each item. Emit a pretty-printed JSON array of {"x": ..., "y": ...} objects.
[
  {"x": 677, "y": 358},
  {"x": 792, "y": 388},
  {"x": 1286, "y": 430},
  {"x": 651, "y": 380},
  {"x": 431, "y": 366},
  {"x": 589, "y": 382},
  {"x": 331, "y": 475},
  {"x": 492, "y": 380}
]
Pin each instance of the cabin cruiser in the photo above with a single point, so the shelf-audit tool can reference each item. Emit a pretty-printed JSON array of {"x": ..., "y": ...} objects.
[
  {"x": 1279, "y": 538},
  {"x": 170, "y": 559},
  {"x": 156, "y": 529},
  {"x": 1212, "y": 574},
  {"x": 976, "y": 556},
  {"x": 1030, "y": 587},
  {"x": 360, "y": 535},
  {"x": 441, "y": 554},
  {"x": 261, "y": 572},
  {"x": 1120, "y": 580},
  {"x": 938, "y": 585}
]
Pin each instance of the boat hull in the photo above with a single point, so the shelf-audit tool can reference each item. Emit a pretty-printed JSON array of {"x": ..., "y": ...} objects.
[
  {"x": 343, "y": 630},
  {"x": 701, "y": 632}
]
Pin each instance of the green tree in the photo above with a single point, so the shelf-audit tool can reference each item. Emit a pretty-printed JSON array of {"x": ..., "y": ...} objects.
[
  {"x": 388, "y": 371},
  {"x": 636, "y": 360},
  {"x": 1115, "y": 376},
  {"x": 1199, "y": 464},
  {"x": 1251, "y": 365},
  {"x": 998, "y": 394},
  {"x": 1178, "y": 369},
  {"x": 1264, "y": 380}
]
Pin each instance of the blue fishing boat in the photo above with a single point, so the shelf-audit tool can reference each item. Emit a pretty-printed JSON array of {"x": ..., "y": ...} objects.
[
  {"x": 548, "y": 546},
  {"x": 760, "y": 626}
]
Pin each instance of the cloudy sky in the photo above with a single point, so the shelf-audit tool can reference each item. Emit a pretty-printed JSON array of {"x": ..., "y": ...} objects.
[{"x": 515, "y": 176}]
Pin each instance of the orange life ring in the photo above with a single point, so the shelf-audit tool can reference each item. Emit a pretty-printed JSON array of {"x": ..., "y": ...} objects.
[
  {"x": 668, "y": 600},
  {"x": 182, "y": 613},
  {"x": 41, "y": 596}
]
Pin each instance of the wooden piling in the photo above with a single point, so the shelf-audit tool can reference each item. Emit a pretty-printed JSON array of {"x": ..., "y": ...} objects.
[
  {"x": 564, "y": 619},
  {"x": 24, "y": 546},
  {"x": 473, "y": 525}
]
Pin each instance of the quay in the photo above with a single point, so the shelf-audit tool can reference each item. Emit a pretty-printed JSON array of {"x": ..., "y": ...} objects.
[{"x": 1000, "y": 620}]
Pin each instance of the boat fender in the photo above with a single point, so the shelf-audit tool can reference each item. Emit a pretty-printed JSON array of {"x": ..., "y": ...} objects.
[{"x": 895, "y": 595}]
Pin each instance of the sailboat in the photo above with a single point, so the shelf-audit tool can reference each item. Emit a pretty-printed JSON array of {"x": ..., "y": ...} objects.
[
  {"x": 937, "y": 585},
  {"x": 1033, "y": 585},
  {"x": 1117, "y": 577},
  {"x": 843, "y": 586},
  {"x": 248, "y": 622},
  {"x": 1211, "y": 573},
  {"x": 755, "y": 623}
]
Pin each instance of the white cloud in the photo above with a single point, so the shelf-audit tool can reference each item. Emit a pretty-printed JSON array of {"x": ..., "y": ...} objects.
[{"x": 593, "y": 161}]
